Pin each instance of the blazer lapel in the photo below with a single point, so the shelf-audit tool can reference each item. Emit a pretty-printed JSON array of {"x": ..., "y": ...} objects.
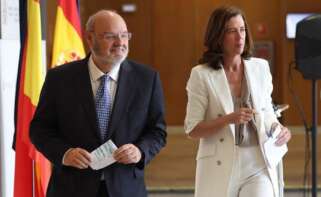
[
  {"x": 125, "y": 89},
  {"x": 85, "y": 94},
  {"x": 222, "y": 91},
  {"x": 251, "y": 76}
]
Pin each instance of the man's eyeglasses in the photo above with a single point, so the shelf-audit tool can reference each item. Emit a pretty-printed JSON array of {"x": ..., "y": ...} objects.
[{"x": 114, "y": 36}]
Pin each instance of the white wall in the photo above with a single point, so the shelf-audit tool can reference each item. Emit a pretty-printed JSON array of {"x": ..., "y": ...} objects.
[{"x": 9, "y": 57}]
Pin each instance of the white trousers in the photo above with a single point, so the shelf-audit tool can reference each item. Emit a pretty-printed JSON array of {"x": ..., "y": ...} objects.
[{"x": 250, "y": 177}]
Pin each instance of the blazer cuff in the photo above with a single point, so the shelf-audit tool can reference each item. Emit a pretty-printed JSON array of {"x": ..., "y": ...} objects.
[
  {"x": 63, "y": 158},
  {"x": 141, "y": 163}
]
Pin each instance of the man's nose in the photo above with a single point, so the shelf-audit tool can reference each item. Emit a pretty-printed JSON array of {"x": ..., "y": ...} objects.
[{"x": 118, "y": 40}]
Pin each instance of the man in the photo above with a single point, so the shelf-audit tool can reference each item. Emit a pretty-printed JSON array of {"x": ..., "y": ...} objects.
[{"x": 103, "y": 97}]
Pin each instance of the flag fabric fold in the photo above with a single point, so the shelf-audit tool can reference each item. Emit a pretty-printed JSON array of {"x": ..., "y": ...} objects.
[
  {"x": 67, "y": 44},
  {"x": 32, "y": 169}
]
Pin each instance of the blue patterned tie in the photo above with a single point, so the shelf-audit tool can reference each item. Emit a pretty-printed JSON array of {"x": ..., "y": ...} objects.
[{"x": 103, "y": 105}]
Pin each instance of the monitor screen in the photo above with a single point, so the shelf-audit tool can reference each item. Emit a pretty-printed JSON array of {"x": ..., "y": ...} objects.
[{"x": 291, "y": 21}]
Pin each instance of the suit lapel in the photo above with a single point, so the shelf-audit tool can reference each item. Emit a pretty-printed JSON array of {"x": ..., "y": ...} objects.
[
  {"x": 125, "y": 89},
  {"x": 251, "y": 75},
  {"x": 222, "y": 90},
  {"x": 85, "y": 95}
]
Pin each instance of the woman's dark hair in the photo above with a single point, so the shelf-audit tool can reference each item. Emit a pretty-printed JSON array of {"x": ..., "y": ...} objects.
[{"x": 214, "y": 36}]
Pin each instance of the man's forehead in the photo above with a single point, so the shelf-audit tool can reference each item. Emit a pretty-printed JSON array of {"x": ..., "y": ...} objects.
[{"x": 109, "y": 21}]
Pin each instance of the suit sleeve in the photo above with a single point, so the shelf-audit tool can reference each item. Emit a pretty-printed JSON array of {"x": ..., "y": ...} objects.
[
  {"x": 154, "y": 134},
  {"x": 44, "y": 125}
]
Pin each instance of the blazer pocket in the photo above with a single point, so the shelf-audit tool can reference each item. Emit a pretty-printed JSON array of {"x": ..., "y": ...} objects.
[{"x": 207, "y": 148}]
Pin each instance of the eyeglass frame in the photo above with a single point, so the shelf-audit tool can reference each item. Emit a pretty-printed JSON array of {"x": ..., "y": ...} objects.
[{"x": 114, "y": 36}]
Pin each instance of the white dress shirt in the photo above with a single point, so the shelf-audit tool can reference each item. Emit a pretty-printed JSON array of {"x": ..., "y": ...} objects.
[{"x": 95, "y": 74}]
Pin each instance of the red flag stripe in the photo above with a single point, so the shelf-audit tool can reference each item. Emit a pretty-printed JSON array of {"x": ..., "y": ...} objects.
[
  {"x": 23, "y": 182},
  {"x": 23, "y": 176}
]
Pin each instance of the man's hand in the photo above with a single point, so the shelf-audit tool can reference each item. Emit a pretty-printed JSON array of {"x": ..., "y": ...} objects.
[
  {"x": 127, "y": 154},
  {"x": 77, "y": 157}
]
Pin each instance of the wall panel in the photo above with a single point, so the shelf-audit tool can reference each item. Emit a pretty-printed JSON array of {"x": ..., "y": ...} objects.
[{"x": 174, "y": 51}]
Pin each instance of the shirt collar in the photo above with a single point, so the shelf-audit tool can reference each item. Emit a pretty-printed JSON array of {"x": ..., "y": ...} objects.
[{"x": 96, "y": 73}]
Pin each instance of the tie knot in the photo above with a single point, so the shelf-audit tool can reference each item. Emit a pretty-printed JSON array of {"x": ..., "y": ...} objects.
[{"x": 104, "y": 78}]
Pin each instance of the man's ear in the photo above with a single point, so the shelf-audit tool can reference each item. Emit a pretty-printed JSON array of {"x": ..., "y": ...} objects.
[{"x": 89, "y": 38}]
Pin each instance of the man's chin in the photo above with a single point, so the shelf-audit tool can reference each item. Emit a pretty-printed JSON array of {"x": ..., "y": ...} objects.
[{"x": 117, "y": 60}]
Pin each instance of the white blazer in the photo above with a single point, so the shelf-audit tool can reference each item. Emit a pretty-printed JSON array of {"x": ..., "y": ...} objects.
[{"x": 209, "y": 97}]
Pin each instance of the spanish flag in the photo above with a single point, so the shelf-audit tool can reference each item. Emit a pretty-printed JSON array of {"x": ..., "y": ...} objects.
[
  {"x": 67, "y": 44},
  {"x": 32, "y": 170}
]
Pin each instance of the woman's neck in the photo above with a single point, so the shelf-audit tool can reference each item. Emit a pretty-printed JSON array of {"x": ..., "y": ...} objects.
[{"x": 232, "y": 64}]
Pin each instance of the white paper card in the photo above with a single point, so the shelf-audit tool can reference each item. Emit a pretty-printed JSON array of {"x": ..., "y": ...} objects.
[
  {"x": 103, "y": 155},
  {"x": 274, "y": 153}
]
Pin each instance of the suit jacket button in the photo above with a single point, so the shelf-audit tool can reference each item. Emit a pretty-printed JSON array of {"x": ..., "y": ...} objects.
[
  {"x": 218, "y": 162},
  {"x": 222, "y": 140}
]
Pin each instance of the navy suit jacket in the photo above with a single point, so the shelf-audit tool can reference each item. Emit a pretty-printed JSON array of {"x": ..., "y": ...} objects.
[{"x": 66, "y": 118}]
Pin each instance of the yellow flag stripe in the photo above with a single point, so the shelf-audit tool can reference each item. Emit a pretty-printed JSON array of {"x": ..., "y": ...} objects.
[
  {"x": 67, "y": 42},
  {"x": 34, "y": 67}
]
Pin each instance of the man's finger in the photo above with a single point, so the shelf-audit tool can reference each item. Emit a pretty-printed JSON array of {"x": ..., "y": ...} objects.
[
  {"x": 80, "y": 164},
  {"x": 85, "y": 156},
  {"x": 123, "y": 154},
  {"x": 122, "y": 148}
]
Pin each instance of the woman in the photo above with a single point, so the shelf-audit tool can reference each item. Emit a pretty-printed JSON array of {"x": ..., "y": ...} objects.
[{"x": 230, "y": 110}]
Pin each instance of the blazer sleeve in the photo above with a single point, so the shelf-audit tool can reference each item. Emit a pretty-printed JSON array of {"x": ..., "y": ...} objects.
[
  {"x": 43, "y": 127},
  {"x": 197, "y": 103},
  {"x": 154, "y": 135}
]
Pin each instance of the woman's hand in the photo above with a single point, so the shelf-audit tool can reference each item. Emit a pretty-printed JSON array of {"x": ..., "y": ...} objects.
[
  {"x": 283, "y": 137},
  {"x": 242, "y": 116}
]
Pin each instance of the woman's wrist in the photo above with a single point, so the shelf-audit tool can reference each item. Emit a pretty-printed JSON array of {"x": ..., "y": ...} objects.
[{"x": 228, "y": 119}]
